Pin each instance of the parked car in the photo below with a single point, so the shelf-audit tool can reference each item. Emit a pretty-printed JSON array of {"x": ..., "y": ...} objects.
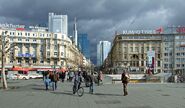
[
  {"x": 12, "y": 76},
  {"x": 35, "y": 76},
  {"x": 23, "y": 76}
]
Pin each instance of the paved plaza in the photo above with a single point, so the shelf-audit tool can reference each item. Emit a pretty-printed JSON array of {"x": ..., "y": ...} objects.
[{"x": 31, "y": 94}]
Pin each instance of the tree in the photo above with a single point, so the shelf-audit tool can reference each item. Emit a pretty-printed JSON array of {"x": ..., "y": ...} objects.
[{"x": 5, "y": 48}]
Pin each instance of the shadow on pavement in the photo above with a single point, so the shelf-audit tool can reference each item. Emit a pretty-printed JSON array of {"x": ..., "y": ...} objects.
[
  {"x": 104, "y": 94},
  {"x": 61, "y": 93},
  {"x": 40, "y": 89}
]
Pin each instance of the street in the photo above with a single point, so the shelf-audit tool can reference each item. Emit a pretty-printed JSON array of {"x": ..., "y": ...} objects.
[{"x": 32, "y": 94}]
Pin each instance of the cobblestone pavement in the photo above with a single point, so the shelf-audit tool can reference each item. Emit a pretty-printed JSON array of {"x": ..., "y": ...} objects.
[{"x": 31, "y": 94}]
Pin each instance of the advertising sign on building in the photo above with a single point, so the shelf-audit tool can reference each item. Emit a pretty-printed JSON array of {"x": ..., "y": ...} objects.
[{"x": 150, "y": 58}]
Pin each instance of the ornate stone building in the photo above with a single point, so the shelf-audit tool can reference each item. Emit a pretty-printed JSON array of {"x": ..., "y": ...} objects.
[
  {"x": 129, "y": 51},
  {"x": 41, "y": 49}
]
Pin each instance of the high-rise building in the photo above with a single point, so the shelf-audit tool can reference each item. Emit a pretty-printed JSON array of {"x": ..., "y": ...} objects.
[
  {"x": 58, "y": 23},
  {"x": 83, "y": 45},
  {"x": 75, "y": 33},
  {"x": 103, "y": 49}
]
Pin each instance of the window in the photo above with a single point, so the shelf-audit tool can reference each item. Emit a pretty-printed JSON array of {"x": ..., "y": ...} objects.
[
  {"x": 27, "y": 61},
  {"x": 55, "y": 62},
  {"x": 137, "y": 49},
  {"x": 178, "y": 54},
  {"x": 19, "y": 39},
  {"x": 55, "y": 53},
  {"x": 11, "y": 61},
  {"x": 165, "y": 65},
  {"x": 11, "y": 39},
  {"x": 159, "y": 56},
  {"x": 178, "y": 65},
  {"x": 55, "y": 36},
  {"x": 166, "y": 60},
  {"x": 48, "y": 46},
  {"x": 131, "y": 49},
  {"x": 48, "y": 53},
  {"x": 48, "y": 61},
  {"x": 62, "y": 53},
  {"x": 19, "y": 60},
  {"x": 165, "y": 54},
  {"x": 142, "y": 56},
  {"x": 34, "y": 61},
  {"x": 142, "y": 63},
  {"x": 147, "y": 48},
  {"x": 27, "y": 39},
  {"x": 55, "y": 48},
  {"x": 158, "y": 63}
]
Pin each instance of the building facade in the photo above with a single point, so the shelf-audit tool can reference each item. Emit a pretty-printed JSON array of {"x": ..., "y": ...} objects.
[
  {"x": 58, "y": 23},
  {"x": 84, "y": 45},
  {"x": 40, "y": 49},
  {"x": 131, "y": 52},
  {"x": 174, "y": 49},
  {"x": 103, "y": 48}
]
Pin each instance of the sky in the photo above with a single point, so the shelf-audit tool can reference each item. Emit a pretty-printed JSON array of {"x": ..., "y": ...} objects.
[{"x": 100, "y": 19}]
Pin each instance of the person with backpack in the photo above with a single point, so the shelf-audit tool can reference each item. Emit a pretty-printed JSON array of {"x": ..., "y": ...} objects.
[
  {"x": 125, "y": 81},
  {"x": 54, "y": 79}
]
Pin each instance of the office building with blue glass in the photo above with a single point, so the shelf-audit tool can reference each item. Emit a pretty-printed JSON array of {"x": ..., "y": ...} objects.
[{"x": 84, "y": 44}]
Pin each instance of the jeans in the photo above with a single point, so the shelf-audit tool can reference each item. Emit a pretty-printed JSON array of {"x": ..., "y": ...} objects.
[
  {"x": 54, "y": 85},
  {"x": 91, "y": 88}
]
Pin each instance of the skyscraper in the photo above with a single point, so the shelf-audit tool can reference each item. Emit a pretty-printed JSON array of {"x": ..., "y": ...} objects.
[
  {"x": 83, "y": 45},
  {"x": 103, "y": 49},
  {"x": 75, "y": 33},
  {"x": 58, "y": 23}
]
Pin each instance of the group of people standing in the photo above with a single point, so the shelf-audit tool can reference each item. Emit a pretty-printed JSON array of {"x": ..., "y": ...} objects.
[{"x": 51, "y": 78}]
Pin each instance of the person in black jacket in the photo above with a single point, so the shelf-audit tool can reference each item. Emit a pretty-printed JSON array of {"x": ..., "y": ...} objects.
[{"x": 125, "y": 80}]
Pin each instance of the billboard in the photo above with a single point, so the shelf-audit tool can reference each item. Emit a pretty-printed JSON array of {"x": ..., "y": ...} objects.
[{"x": 151, "y": 59}]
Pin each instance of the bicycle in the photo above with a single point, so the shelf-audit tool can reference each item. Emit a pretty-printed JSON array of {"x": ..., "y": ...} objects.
[{"x": 79, "y": 91}]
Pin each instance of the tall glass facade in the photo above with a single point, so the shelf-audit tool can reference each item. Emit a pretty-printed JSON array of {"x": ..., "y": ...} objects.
[
  {"x": 103, "y": 49},
  {"x": 84, "y": 45}
]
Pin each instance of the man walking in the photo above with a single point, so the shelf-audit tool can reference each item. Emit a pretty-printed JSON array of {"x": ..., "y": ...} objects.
[{"x": 125, "y": 81}]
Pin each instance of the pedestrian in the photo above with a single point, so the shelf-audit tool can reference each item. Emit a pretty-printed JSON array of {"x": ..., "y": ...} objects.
[
  {"x": 47, "y": 81},
  {"x": 63, "y": 76},
  {"x": 54, "y": 77},
  {"x": 100, "y": 77},
  {"x": 91, "y": 83},
  {"x": 125, "y": 81},
  {"x": 77, "y": 81}
]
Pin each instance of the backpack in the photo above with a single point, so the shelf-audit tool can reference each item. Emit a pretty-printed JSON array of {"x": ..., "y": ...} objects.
[{"x": 56, "y": 78}]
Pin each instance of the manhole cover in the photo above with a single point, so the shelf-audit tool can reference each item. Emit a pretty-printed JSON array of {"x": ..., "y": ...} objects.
[{"x": 107, "y": 102}]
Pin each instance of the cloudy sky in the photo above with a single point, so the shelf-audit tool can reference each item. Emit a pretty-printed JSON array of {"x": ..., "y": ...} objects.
[{"x": 99, "y": 18}]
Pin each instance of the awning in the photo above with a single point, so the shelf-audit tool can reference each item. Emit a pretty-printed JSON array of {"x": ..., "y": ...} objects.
[
  {"x": 52, "y": 69},
  {"x": 17, "y": 68}
]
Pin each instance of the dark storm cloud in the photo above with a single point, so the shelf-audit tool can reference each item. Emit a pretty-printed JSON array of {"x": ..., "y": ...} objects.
[{"x": 99, "y": 18}]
